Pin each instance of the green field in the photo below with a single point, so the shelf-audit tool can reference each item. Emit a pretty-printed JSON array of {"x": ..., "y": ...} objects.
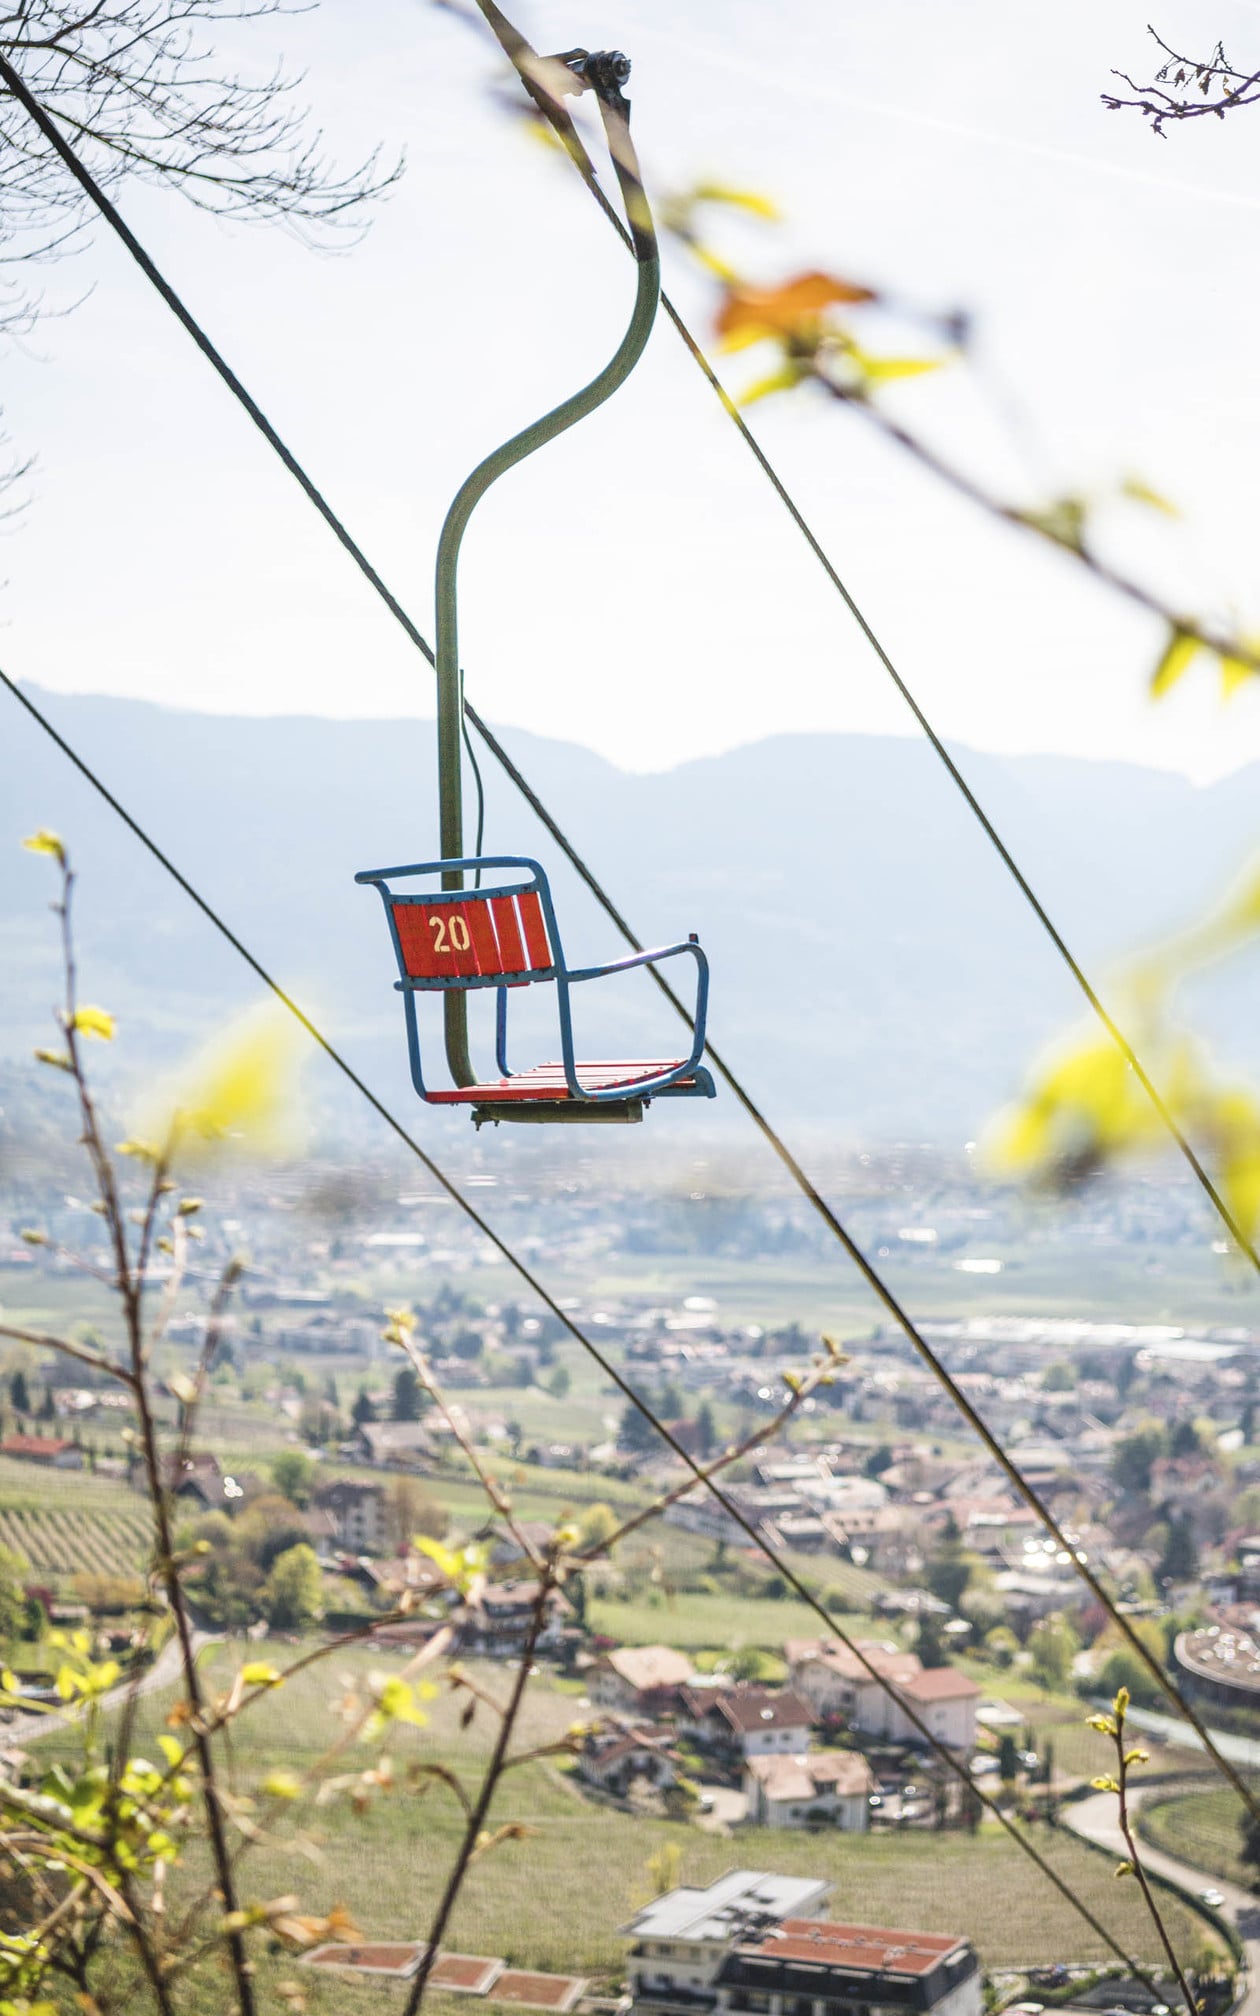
[
  {"x": 70, "y": 1538},
  {"x": 24, "y": 1485},
  {"x": 712, "y": 1623},
  {"x": 66, "y": 1522},
  {"x": 535, "y": 1903},
  {"x": 1200, "y": 1826}
]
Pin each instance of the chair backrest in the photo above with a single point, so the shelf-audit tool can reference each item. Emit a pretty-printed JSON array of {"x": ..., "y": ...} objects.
[{"x": 473, "y": 937}]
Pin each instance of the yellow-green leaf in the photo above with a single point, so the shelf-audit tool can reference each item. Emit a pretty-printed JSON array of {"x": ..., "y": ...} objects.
[
  {"x": 57, "y": 1058},
  {"x": 282, "y": 1785},
  {"x": 45, "y": 842},
  {"x": 1177, "y": 656},
  {"x": 143, "y": 1151},
  {"x": 884, "y": 370},
  {"x": 94, "y": 1022},
  {"x": 260, "y": 1673},
  {"x": 1235, "y": 672},
  {"x": 786, "y": 379},
  {"x": 736, "y": 199},
  {"x": 1141, "y": 493}
]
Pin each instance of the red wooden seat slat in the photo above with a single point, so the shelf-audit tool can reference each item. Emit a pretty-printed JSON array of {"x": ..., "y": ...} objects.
[
  {"x": 485, "y": 944},
  {"x": 547, "y": 1081},
  {"x": 511, "y": 948},
  {"x": 530, "y": 907},
  {"x": 459, "y": 938},
  {"x": 418, "y": 935},
  {"x": 437, "y": 941}
]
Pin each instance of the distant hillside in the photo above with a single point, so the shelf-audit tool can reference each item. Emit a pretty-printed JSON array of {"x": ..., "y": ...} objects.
[{"x": 874, "y": 969}]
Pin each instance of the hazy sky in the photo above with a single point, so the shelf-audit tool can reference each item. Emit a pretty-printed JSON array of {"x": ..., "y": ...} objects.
[{"x": 638, "y": 588}]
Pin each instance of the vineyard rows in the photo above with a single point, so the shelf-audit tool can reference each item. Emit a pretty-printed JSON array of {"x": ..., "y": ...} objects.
[{"x": 70, "y": 1541}]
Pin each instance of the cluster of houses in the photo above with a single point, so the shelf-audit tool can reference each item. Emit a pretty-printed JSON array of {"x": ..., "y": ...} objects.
[
  {"x": 765, "y": 1737},
  {"x": 798, "y": 1752}
]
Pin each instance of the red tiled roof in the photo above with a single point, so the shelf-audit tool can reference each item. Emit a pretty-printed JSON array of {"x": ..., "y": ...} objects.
[
  {"x": 34, "y": 1445},
  {"x": 940, "y": 1683},
  {"x": 864, "y": 1946}
]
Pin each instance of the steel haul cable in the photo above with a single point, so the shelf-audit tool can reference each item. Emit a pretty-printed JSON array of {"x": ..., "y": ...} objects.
[
  {"x": 809, "y": 1191},
  {"x": 959, "y": 1770}
]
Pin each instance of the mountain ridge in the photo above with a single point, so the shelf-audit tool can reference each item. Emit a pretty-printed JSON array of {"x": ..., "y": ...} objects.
[{"x": 874, "y": 968}]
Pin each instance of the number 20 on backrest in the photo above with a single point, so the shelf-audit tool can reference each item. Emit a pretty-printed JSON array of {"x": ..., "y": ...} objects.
[{"x": 450, "y": 934}]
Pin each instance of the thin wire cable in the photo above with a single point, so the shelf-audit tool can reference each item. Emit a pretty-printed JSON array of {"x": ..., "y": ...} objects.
[
  {"x": 587, "y": 1344},
  {"x": 775, "y": 1141},
  {"x": 481, "y": 795},
  {"x": 518, "y": 51}
]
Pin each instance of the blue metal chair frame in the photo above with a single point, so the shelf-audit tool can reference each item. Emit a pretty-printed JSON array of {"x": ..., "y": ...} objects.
[{"x": 667, "y": 1084}]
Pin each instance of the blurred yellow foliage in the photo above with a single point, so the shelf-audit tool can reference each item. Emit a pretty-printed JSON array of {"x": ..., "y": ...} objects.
[
  {"x": 241, "y": 1090},
  {"x": 794, "y": 310},
  {"x": 1139, "y": 492},
  {"x": 1085, "y": 1107},
  {"x": 736, "y": 199},
  {"x": 1181, "y": 648}
]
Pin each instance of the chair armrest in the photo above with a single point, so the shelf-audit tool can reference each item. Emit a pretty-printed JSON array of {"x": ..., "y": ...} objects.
[
  {"x": 638, "y": 959},
  {"x": 697, "y": 1019}
]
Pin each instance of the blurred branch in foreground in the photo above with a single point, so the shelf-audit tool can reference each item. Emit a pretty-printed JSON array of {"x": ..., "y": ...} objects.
[{"x": 1084, "y": 1111}]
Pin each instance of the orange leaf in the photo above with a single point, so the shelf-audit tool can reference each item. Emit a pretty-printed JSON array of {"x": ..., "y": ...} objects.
[{"x": 785, "y": 310}]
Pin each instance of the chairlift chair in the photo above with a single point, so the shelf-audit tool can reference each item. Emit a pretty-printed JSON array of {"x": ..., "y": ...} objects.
[
  {"x": 452, "y": 940},
  {"x": 506, "y": 936}
]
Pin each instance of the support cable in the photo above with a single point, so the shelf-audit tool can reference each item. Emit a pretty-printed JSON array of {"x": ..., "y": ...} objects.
[
  {"x": 526, "y": 63},
  {"x": 512, "y": 41},
  {"x": 942, "y": 1750}
]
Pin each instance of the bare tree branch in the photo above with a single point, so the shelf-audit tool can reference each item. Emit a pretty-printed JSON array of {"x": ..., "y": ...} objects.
[
  {"x": 150, "y": 89},
  {"x": 1196, "y": 88},
  {"x": 44, "y": 1342}
]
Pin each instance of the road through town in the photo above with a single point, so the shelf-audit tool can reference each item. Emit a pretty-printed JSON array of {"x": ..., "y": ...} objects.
[{"x": 1095, "y": 1819}]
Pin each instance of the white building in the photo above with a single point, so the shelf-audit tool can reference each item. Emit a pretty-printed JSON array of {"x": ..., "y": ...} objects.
[
  {"x": 836, "y": 1683},
  {"x": 359, "y": 1512},
  {"x": 682, "y": 1940},
  {"x": 739, "y": 1946},
  {"x": 829, "y": 1788},
  {"x": 747, "y": 1720},
  {"x": 639, "y": 1679}
]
